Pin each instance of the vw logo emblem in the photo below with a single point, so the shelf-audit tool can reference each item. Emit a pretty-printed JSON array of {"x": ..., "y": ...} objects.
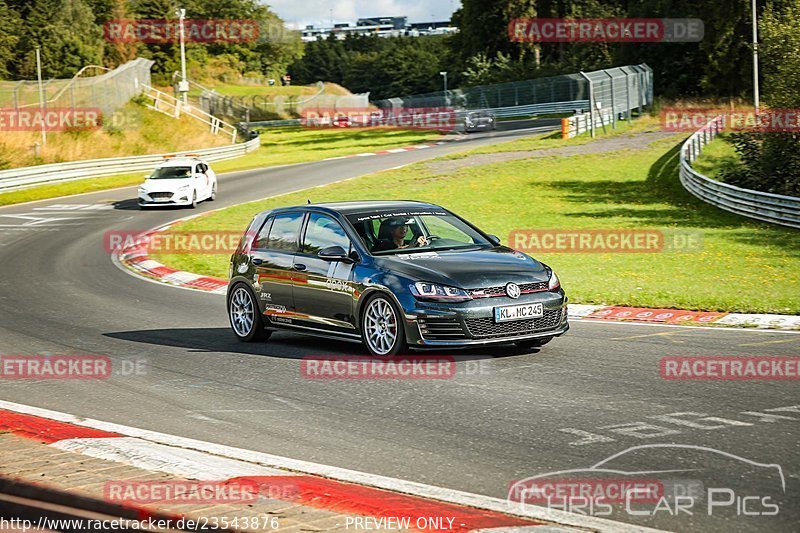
[{"x": 512, "y": 290}]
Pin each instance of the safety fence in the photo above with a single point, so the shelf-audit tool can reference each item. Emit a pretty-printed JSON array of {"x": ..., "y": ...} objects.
[
  {"x": 109, "y": 91},
  {"x": 763, "y": 206},
  {"x": 257, "y": 107},
  {"x": 20, "y": 178},
  {"x": 617, "y": 90}
]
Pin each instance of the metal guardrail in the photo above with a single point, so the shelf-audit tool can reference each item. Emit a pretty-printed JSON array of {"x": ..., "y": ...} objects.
[
  {"x": 169, "y": 105},
  {"x": 763, "y": 206},
  {"x": 540, "y": 109},
  {"x": 582, "y": 123},
  {"x": 20, "y": 178}
]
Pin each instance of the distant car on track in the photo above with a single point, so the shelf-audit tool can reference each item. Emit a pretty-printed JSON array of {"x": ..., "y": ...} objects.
[
  {"x": 185, "y": 180},
  {"x": 392, "y": 275},
  {"x": 480, "y": 121}
]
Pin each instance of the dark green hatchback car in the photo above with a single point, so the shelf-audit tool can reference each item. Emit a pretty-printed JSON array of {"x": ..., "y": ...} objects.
[{"x": 393, "y": 275}]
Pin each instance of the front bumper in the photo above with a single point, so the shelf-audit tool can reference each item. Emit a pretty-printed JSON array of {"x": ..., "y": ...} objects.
[
  {"x": 178, "y": 198},
  {"x": 472, "y": 323}
]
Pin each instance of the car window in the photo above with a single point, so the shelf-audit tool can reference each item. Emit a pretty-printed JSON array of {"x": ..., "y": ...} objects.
[
  {"x": 169, "y": 173},
  {"x": 284, "y": 232},
  {"x": 444, "y": 229},
  {"x": 263, "y": 234},
  {"x": 398, "y": 231},
  {"x": 323, "y": 232}
]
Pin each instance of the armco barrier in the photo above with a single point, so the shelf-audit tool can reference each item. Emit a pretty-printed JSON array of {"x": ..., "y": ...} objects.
[
  {"x": 20, "y": 178},
  {"x": 579, "y": 124},
  {"x": 764, "y": 206}
]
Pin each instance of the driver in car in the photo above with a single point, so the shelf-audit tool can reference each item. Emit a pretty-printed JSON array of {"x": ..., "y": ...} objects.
[{"x": 392, "y": 234}]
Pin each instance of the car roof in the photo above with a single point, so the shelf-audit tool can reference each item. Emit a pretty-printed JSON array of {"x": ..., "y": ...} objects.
[
  {"x": 179, "y": 161},
  {"x": 360, "y": 206}
]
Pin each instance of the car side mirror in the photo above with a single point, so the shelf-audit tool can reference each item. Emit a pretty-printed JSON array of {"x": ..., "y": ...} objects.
[
  {"x": 494, "y": 239},
  {"x": 335, "y": 253}
]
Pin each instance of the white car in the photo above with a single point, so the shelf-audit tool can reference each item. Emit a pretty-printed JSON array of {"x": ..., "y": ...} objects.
[{"x": 184, "y": 180}]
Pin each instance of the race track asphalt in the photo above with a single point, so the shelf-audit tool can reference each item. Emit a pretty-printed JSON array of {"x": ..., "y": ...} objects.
[{"x": 505, "y": 416}]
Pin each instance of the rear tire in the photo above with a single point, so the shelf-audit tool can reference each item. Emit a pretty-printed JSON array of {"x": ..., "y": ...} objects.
[
  {"x": 382, "y": 330},
  {"x": 245, "y": 316}
]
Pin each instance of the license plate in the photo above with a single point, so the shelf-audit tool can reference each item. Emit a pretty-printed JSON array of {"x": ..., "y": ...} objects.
[
  {"x": 518, "y": 312},
  {"x": 161, "y": 199}
]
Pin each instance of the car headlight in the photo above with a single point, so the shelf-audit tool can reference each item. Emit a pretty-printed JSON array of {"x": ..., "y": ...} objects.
[
  {"x": 142, "y": 190},
  {"x": 431, "y": 291},
  {"x": 554, "y": 282}
]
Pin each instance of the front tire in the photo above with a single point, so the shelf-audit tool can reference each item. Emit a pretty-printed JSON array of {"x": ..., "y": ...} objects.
[
  {"x": 245, "y": 316},
  {"x": 194, "y": 200},
  {"x": 382, "y": 329},
  {"x": 213, "y": 193}
]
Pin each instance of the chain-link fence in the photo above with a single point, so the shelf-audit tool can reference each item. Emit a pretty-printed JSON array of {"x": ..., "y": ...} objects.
[
  {"x": 270, "y": 107},
  {"x": 621, "y": 89},
  {"x": 109, "y": 91}
]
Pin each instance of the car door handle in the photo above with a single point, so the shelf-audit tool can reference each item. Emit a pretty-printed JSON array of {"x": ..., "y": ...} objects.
[
  {"x": 299, "y": 266},
  {"x": 257, "y": 262}
]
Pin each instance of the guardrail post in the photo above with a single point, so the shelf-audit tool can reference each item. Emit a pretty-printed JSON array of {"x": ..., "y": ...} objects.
[
  {"x": 613, "y": 102},
  {"x": 591, "y": 102}
]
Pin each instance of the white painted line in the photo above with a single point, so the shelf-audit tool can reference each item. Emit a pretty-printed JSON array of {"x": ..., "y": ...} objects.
[
  {"x": 188, "y": 464},
  {"x": 581, "y": 310},
  {"x": 148, "y": 264},
  {"x": 180, "y": 277},
  {"x": 365, "y": 154},
  {"x": 342, "y": 474},
  {"x": 600, "y": 321},
  {"x": 397, "y": 150}
]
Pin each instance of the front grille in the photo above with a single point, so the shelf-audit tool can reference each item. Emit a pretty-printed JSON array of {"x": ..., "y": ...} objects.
[
  {"x": 160, "y": 195},
  {"x": 487, "y": 327},
  {"x": 492, "y": 292},
  {"x": 441, "y": 329}
]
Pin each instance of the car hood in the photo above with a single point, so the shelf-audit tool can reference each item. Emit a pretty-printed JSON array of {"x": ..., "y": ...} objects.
[
  {"x": 165, "y": 185},
  {"x": 467, "y": 269}
]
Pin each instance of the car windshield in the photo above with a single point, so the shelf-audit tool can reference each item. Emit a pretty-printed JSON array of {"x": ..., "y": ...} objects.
[
  {"x": 388, "y": 233},
  {"x": 171, "y": 173}
]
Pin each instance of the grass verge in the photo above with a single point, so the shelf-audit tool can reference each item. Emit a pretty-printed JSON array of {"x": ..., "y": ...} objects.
[
  {"x": 718, "y": 156},
  {"x": 278, "y": 147},
  {"x": 742, "y": 266}
]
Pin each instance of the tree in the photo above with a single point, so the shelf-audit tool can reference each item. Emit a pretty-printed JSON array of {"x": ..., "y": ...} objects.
[
  {"x": 10, "y": 27},
  {"x": 771, "y": 161},
  {"x": 67, "y": 34}
]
